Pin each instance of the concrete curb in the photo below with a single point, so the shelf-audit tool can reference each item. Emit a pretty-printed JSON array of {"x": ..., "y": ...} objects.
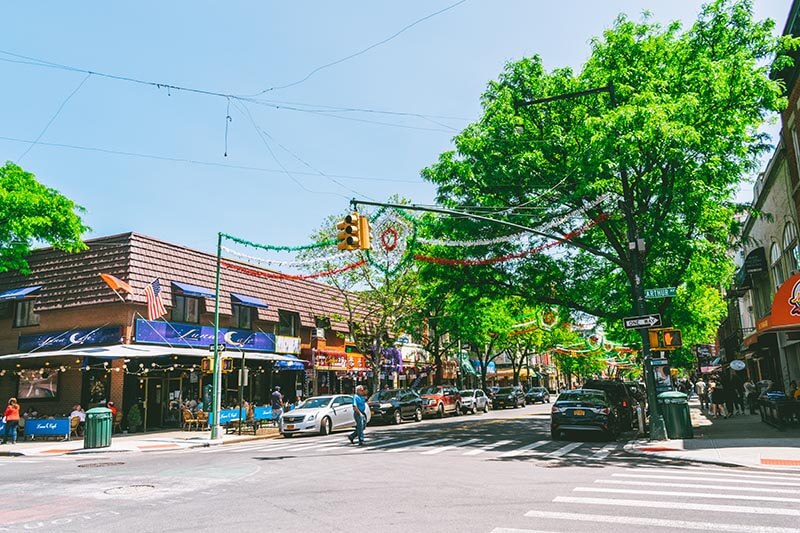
[{"x": 630, "y": 448}]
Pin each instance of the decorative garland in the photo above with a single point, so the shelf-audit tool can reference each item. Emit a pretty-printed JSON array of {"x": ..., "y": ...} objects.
[
  {"x": 261, "y": 260},
  {"x": 270, "y": 247},
  {"x": 279, "y": 275},
  {"x": 501, "y": 259}
]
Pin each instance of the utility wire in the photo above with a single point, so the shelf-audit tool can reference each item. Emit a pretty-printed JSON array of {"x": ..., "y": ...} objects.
[
  {"x": 362, "y": 51},
  {"x": 53, "y": 118}
]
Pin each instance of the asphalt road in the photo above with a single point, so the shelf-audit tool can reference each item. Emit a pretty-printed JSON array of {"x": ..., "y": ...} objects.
[{"x": 492, "y": 473}]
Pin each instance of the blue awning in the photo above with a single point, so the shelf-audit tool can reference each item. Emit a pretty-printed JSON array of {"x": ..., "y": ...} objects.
[
  {"x": 19, "y": 293},
  {"x": 294, "y": 363},
  {"x": 193, "y": 290},
  {"x": 249, "y": 300}
]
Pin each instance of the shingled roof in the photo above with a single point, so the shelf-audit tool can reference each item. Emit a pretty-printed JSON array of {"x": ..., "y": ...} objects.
[{"x": 73, "y": 280}]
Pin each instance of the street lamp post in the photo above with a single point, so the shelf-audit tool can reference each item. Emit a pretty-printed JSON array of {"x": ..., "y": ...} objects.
[{"x": 217, "y": 375}]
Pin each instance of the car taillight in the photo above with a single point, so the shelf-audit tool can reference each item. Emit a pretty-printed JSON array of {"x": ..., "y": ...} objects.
[
  {"x": 556, "y": 410},
  {"x": 624, "y": 403}
]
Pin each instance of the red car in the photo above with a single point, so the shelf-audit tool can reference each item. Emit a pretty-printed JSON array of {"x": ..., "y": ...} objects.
[{"x": 440, "y": 399}]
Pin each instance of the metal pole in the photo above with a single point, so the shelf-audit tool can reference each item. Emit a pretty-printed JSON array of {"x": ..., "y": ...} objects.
[
  {"x": 241, "y": 392},
  {"x": 217, "y": 379}
]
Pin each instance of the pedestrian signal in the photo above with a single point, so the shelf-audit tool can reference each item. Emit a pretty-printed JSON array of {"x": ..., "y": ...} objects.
[
  {"x": 207, "y": 365},
  {"x": 665, "y": 339},
  {"x": 348, "y": 235},
  {"x": 227, "y": 365}
]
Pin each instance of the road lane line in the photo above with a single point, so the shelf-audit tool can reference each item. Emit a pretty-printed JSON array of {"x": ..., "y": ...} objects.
[
  {"x": 659, "y": 522},
  {"x": 695, "y": 486},
  {"x": 721, "y": 480},
  {"x": 455, "y": 446},
  {"x": 522, "y": 449},
  {"x": 603, "y": 452},
  {"x": 514, "y": 530},
  {"x": 688, "y": 494},
  {"x": 688, "y": 506},
  {"x": 488, "y": 447},
  {"x": 563, "y": 451},
  {"x": 423, "y": 443}
]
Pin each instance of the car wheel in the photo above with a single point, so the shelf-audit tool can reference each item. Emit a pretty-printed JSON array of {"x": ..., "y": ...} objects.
[
  {"x": 474, "y": 409},
  {"x": 418, "y": 414},
  {"x": 555, "y": 434},
  {"x": 486, "y": 407},
  {"x": 458, "y": 409},
  {"x": 325, "y": 426},
  {"x": 398, "y": 416},
  {"x": 287, "y": 435},
  {"x": 440, "y": 411},
  {"x": 547, "y": 399}
]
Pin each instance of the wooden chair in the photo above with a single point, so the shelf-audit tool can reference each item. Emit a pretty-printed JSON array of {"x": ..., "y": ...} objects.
[
  {"x": 74, "y": 423},
  {"x": 117, "y": 423},
  {"x": 189, "y": 419},
  {"x": 202, "y": 419}
]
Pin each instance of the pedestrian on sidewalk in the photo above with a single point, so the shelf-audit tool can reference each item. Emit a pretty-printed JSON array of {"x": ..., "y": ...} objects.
[
  {"x": 717, "y": 399},
  {"x": 701, "y": 389},
  {"x": 737, "y": 382},
  {"x": 751, "y": 395},
  {"x": 359, "y": 414},
  {"x": 277, "y": 405},
  {"x": 11, "y": 418}
]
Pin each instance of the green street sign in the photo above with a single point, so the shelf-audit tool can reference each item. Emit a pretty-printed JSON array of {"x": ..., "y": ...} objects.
[{"x": 666, "y": 292}]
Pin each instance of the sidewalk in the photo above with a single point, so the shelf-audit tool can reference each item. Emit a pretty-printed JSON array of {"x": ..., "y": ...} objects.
[
  {"x": 135, "y": 442},
  {"x": 742, "y": 440}
]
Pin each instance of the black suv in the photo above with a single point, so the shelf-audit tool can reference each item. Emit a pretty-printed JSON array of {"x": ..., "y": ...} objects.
[
  {"x": 506, "y": 396},
  {"x": 395, "y": 405},
  {"x": 619, "y": 395},
  {"x": 537, "y": 394},
  {"x": 584, "y": 410}
]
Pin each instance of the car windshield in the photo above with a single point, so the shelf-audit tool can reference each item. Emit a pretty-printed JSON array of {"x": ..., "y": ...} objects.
[
  {"x": 316, "y": 403},
  {"x": 581, "y": 396},
  {"x": 383, "y": 396},
  {"x": 430, "y": 390},
  {"x": 467, "y": 392},
  {"x": 505, "y": 390}
]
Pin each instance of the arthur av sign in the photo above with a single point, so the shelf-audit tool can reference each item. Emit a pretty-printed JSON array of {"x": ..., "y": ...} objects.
[
  {"x": 642, "y": 321},
  {"x": 664, "y": 292}
]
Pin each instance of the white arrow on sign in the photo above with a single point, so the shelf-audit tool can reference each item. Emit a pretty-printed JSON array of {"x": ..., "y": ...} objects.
[{"x": 640, "y": 322}]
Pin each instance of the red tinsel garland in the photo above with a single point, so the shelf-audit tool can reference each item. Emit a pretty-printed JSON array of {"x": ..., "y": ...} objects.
[
  {"x": 493, "y": 260},
  {"x": 279, "y": 275}
]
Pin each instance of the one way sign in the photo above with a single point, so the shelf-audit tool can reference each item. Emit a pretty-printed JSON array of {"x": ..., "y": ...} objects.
[{"x": 642, "y": 322}]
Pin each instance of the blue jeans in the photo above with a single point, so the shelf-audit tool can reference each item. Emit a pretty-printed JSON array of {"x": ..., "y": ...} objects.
[
  {"x": 11, "y": 429},
  {"x": 361, "y": 421}
]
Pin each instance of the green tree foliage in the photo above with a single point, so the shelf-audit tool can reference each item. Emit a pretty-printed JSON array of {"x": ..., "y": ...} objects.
[
  {"x": 31, "y": 213},
  {"x": 662, "y": 162}
]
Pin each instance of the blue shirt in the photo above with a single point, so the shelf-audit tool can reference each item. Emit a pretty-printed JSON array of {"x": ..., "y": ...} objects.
[{"x": 360, "y": 403}]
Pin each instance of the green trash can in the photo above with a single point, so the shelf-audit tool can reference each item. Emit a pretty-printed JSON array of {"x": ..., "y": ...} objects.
[
  {"x": 99, "y": 424},
  {"x": 674, "y": 407}
]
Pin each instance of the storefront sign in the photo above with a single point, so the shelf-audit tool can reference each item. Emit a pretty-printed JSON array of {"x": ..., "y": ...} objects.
[
  {"x": 340, "y": 361},
  {"x": 232, "y": 415},
  {"x": 785, "y": 313},
  {"x": 48, "y": 427},
  {"x": 69, "y": 338},
  {"x": 287, "y": 344},
  {"x": 174, "y": 334}
]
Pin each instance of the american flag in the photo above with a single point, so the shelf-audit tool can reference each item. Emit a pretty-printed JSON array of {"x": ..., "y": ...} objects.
[{"x": 155, "y": 307}]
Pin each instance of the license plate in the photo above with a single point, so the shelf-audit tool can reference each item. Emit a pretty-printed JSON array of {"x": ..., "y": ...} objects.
[
  {"x": 578, "y": 412},
  {"x": 289, "y": 426}
]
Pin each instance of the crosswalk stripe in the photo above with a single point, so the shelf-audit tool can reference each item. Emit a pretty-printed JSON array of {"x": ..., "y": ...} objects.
[
  {"x": 717, "y": 470},
  {"x": 522, "y": 449},
  {"x": 603, "y": 452},
  {"x": 563, "y": 451},
  {"x": 722, "y": 480},
  {"x": 513, "y": 530},
  {"x": 488, "y": 447},
  {"x": 694, "y": 486},
  {"x": 394, "y": 443},
  {"x": 688, "y": 494},
  {"x": 455, "y": 446},
  {"x": 689, "y": 506},
  {"x": 743, "y": 475},
  {"x": 306, "y": 447},
  {"x": 659, "y": 522},
  {"x": 417, "y": 445}
]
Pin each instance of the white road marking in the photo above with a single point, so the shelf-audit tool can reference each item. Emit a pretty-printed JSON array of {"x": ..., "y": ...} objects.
[
  {"x": 727, "y": 471},
  {"x": 602, "y": 453},
  {"x": 658, "y": 522},
  {"x": 563, "y": 451},
  {"x": 488, "y": 447},
  {"x": 721, "y": 480},
  {"x": 689, "y": 494},
  {"x": 744, "y": 475},
  {"x": 457, "y": 445},
  {"x": 394, "y": 443},
  {"x": 313, "y": 446},
  {"x": 513, "y": 530},
  {"x": 689, "y": 506},
  {"x": 522, "y": 449},
  {"x": 694, "y": 486},
  {"x": 423, "y": 443}
]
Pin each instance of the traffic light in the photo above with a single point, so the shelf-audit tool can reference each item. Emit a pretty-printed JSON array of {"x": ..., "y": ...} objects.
[
  {"x": 348, "y": 235},
  {"x": 227, "y": 365},
  {"x": 207, "y": 365},
  {"x": 665, "y": 339},
  {"x": 363, "y": 233}
]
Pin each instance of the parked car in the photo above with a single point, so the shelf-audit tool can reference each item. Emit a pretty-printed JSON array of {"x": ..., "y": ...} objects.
[
  {"x": 319, "y": 414},
  {"x": 440, "y": 399},
  {"x": 508, "y": 396},
  {"x": 619, "y": 395},
  {"x": 491, "y": 391},
  {"x": 537, "y": 394},
  {"x": 474, "y": 400},
  {"x": 584, "y": 410},
  {"x": 395, "y": 405}
]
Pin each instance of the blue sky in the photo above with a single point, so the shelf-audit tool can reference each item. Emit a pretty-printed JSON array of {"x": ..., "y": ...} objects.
[{"x": 438, "y": 69}]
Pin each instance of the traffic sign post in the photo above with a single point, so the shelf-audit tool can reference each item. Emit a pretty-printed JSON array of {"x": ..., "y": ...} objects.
[
  {"x": 664, "y": 292},
  {"x": 642, "y": 321}
]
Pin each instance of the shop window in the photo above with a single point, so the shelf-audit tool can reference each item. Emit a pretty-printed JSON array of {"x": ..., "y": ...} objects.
[
  {"x": 288, "y": 323},
  {"x": 791, "y": 253},
  {"x": 777, "y": 268},
  {"x": 24, "y": 315},
  {"x": 242, "y": 317},
  {"x": 796, "y": 146},
  {"x": 186, "y": 309}
]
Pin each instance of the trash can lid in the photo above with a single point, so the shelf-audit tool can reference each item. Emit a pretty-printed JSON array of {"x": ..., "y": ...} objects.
[
  {"x": 672, "y": 397},
  {"x": 98, "y": 411}
]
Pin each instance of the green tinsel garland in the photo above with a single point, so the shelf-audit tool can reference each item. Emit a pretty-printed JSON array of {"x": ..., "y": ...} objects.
[{"x": 272, "y": 247}]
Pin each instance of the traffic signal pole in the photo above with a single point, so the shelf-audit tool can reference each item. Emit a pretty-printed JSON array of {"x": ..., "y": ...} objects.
[{"x": 216, "y": 429}]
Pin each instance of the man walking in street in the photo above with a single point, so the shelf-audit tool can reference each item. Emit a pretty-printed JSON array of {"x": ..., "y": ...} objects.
[
  {"x": 360, "y": 415},
  {"x": 277, "y": 406}
]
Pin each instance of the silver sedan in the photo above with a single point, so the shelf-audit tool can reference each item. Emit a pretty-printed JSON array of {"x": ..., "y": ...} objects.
[{"x": 321, "y": 415}]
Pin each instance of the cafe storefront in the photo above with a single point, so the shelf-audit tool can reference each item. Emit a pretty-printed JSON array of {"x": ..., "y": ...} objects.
[{"x": 338, "y": 371}]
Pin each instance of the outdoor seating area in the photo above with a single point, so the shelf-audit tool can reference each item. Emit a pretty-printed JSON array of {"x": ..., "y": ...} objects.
[{"x": 779, "y": 413}]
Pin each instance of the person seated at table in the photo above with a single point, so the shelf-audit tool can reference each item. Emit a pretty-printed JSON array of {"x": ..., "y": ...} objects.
[
  {"x": 80, "y": 414},
  {"x": 113, "y": 408},
  {"x": 200, "y": 406},
  {"x": 30, "y": 412}
]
